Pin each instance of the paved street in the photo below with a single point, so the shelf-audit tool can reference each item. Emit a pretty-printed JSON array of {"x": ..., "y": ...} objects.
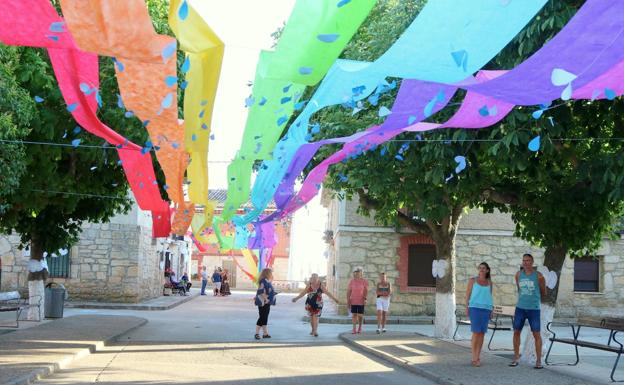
[{"x": 210, "y": 340}]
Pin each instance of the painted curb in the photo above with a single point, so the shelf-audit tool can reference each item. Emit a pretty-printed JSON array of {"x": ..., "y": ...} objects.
[{"x": 130, "y": 306}]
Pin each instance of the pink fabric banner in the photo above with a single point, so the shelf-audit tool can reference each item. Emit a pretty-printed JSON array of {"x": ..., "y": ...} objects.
[{"x": 35, "y": 23}]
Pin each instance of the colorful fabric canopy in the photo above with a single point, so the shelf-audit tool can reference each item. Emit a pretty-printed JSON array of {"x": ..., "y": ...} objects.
[
  {"x": 35, "y": 23},
  {"x": 472, "y": 34}
]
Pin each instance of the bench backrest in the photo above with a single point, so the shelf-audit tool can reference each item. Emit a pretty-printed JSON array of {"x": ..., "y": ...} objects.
[
  {"x": 613, "y": 323},
  {"x": 9, "y": 295},
  {"x": 610, "y": 323},
  {"x": 504, "y": 310}
]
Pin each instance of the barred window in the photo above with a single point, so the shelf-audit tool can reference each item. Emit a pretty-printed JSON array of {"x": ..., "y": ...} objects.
[
  {"x": 587, "y": 274},
  {"x": 420, "y": 259},
  {"x": 58, "y": 265}
]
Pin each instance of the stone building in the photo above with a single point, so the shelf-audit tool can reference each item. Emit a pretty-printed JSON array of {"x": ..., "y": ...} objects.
[
  {"x": 117, "y": 261},
  {"x": 587, "y": 286},
  {"x": 212, "y": 257}
]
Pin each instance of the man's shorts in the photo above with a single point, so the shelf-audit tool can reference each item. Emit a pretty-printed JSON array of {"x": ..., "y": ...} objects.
[
  {"x": 521, "y": 315},
  {"x": 383, "y": 303},
  {"x": 217, "y": 285},
  {"x": 357, "y": 309}
]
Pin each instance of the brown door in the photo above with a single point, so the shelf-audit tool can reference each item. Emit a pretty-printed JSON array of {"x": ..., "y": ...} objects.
[{"x": 231, "y": 268}]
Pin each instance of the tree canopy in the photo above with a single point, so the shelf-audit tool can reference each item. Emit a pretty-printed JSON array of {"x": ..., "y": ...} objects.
[{"x": 564, "y": 197}]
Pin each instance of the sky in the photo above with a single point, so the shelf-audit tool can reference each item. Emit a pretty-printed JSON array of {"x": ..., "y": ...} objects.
[{"x": 245, "y": 27}]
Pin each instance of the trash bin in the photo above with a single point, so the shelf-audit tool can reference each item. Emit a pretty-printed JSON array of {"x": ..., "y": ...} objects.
[{"x": 54, "y": 300}]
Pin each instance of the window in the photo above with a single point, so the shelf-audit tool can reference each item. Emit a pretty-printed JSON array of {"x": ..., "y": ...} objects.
[
  {"x": 587, "y": 274},
  {"x": 58, "y": 265},
  {"x": 416, "y": 254},
  {"x": 420, "y": 259}
]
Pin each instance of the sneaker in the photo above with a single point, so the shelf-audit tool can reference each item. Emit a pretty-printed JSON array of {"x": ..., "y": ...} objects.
[
  {"x": 378, "y": 331},
  {"x": 257, "y": 336},
  {"x": 383, "y": 330}
]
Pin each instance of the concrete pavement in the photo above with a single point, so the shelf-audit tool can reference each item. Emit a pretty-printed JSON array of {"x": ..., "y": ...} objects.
[
  {"x": 449, "y": 364},
  {"x": 30, "y": 353},
  {"x": 210, "y": 340}
]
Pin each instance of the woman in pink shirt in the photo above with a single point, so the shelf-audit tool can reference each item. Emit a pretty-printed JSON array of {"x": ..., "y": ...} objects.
[{"x": 356, "y": 299}]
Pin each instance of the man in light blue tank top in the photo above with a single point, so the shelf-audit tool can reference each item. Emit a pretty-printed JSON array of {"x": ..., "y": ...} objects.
[{"x": 531, "y": 288}]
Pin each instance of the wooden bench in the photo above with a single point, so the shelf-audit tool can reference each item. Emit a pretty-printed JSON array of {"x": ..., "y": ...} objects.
[
  {"x": 613, "y": 325},
  {"x": 496, "y": 323},
  {"x": 11, "y": 301}
]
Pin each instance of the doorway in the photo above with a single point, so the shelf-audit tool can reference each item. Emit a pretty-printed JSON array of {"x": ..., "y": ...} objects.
[{"x": 231, "y": 268}]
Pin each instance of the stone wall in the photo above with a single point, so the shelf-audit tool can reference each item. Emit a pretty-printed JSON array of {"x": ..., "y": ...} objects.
[
  {"x": 13, "y": 265},
  {"x": 151, "y": 279},
  {"x": 112, "y": 262},
  {"x": 482, "y": 237}
]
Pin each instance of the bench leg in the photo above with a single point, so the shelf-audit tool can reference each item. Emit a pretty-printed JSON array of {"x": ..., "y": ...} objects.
[
  {"x": 563, "y": 363},
  {"x": 19, "y": 312},
  {"x": 489, "y": 345},
  {"x": 490, "y": 341},
  {"x": 454, "y": 334},
  {"x": 615, "y": 367}
]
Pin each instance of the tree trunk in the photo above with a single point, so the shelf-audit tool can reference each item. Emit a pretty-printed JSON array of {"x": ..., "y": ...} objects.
[
  {"x": 36, "y": 280},
  {"x": 554, "y": 257},
  {"x": 445, "y": 320}
]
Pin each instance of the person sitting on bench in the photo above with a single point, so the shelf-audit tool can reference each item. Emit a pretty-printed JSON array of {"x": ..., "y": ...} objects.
[
  {"x": 186, "y": 282},
  {"x": 175, "y": 284}
]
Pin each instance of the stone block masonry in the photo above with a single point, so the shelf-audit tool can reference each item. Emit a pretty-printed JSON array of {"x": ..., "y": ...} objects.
[{"x": 112, "y": 262}]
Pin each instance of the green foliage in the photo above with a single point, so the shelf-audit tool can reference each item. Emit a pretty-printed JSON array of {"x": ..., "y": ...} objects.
[
  {"x": 12, "y": 125},
  {"x": 59, "y": 187},
  {"x": 566, "y": 195}
]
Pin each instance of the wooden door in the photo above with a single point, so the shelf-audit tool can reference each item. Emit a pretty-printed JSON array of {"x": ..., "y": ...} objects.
[{"x": 231, "y": 268}]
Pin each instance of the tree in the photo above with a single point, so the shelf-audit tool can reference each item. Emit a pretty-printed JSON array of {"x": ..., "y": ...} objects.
[
  {"x": 501, "y": 172},
  {"x": 60, "y": 187},
  {"x": 568, "y": 198},
  {"x": 12, "y": 125}
]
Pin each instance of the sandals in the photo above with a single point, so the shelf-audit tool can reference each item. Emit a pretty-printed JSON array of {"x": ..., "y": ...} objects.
[
  {"x": 538, "y": 366},
  {"x": 257, "y": 336},
  {"x": 476, "y": 363},
  {"x": 514, "y": 363},
  {"x": 266, "y": 336}
]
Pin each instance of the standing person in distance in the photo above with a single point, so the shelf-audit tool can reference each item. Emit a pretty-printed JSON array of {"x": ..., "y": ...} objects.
[
  {"x": 357, "y": 292},
  {"x": 204, "y": 280},
  {"x": 216, "y": 280},
  {"x": 384, "y": 291},
  {"x": 531, "y": 288},
  {"x": 225, "y": 283},
  {"x": 314, "y": 301},
  {"x": 479, "y": 304},
  {"x": 265, "y": 297}
]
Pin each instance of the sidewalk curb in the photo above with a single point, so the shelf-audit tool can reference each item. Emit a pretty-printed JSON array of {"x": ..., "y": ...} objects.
[
  {"x": 395, "y": 361},
  {"x": 371, "y": 320},
  {"x": 125, "y": 306},
  {"x": 54, "y": 367}
]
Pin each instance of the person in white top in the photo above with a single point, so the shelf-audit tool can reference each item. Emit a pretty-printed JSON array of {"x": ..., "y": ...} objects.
[
  {"x": 204, "y": 279},
  {"x": 384, "y": 291}
]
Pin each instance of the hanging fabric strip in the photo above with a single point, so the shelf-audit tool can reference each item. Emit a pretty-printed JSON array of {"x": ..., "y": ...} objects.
[
  {"x": 202, "y": 66},
  {"x": 146, "y": 74},
  {"x": 29, "y": 23}
]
